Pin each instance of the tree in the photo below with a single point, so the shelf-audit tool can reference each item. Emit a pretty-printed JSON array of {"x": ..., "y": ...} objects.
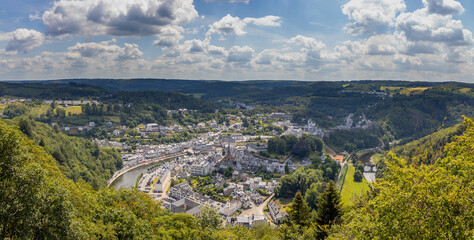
[
  {"x": 311, "y": 195},
  {"x": 299, "y": 211},
  {"x": 209, "y": 218},
  {"x": 15, "y": 110},
  {"x": 25, "y": 127},
  {"x": 329, "y": 209},
  {"x": 287, "y": 168},
  {"x": 358, "y": 176},
  {"x": 228, "y": 172}
]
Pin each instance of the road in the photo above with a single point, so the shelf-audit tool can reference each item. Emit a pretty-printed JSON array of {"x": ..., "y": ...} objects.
[{"x": 257, "y": 210}]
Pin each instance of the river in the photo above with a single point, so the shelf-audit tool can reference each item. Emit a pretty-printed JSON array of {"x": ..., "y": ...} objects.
[{"x": 128, "y": 179}]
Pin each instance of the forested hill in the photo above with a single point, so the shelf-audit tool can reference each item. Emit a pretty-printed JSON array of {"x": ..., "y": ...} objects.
[
  {"x": 167, "y": 100},
  {"x": 418, "y": 200},
  {"x": 430, "y": 148},
  {"x": 77, "y": 158},
  {"x": 50, "y": 91}
]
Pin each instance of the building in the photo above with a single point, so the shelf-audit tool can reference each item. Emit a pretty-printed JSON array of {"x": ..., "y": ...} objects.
[
  {"x": 275, "y": 212},
  {"x": 187, "y": 206},
  {"x": 228, "y": 190},
  {"x": 201, "y": 169},
  {"x": 152, "y": 127},
  {"x": 164, "y": 178},
  {"x": 181, "y": 191},
  {"x": 247, "y": 221}
]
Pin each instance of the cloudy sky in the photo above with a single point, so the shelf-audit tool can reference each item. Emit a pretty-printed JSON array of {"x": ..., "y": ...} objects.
[{"x": 428, "y": 40}]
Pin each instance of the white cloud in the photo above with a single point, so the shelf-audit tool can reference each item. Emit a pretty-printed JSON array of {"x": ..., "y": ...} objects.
[
  {"x": 169, "y": 36},
  {"x": 423, "y": 26},
  {"x": 35, "y": 16},
  {"x": 369, "y": 13},
  {"x": 240, "y": 54},
  {"x": 271, "y": 21},
  {"x": 443, "y": 7},
  {"x": 307, "y": 42},
  {"x": 266, "y": 57},
  {"x": 382, "y": 45},
  {"x": 228, "y": 25},
  {"x": 23, "y": 40},
  {"x": 216, "y": 50},
  {"x": 105, "y": 50},
  {"x": 235, "y": 25},
  {"x": 116, "y": 17}
]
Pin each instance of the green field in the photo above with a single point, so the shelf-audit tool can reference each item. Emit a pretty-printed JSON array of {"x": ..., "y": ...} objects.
[
  {"x": 38, "y": 110},
  {"x": 352, "y": 189},
  {"x": 377, "y": 157},
  {"x": 74, "y": 110}
]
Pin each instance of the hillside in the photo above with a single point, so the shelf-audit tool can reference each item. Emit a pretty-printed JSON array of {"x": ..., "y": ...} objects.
[
  {"x": 417, "y": 200},
  {"x": 77, "y": 158}
]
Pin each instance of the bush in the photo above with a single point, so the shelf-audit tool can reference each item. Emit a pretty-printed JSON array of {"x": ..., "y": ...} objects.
[{"x": 358, "y": 176}]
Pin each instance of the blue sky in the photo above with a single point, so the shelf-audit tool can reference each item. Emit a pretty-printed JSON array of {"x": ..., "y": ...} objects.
[{"x": 428, "y": 40}]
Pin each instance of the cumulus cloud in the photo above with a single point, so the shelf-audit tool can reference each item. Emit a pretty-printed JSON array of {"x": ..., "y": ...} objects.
[
  {"x": 423, "y": 26},
  {"x": 235, "y": 25},
  {"x": 23, "y": 40},
  {"x": 443, "y": 7},
  {"x": 381, "y": 45},
  {"x": 169, "y": 36},
  {"x": 368, "y": 13},
  {"x": 311, "y": 47},
  {"x": 240, "y": 54},
  {"x": 216, "y": 50},
  {"x": 105, "y": 50},
  {"x": 266, "y": 57},
  {"x": 307, "y": 42},
  {"x": 228, "y": 25},
  {"x": 271, "y": 21},
  {"x": 116, "y": 17}
]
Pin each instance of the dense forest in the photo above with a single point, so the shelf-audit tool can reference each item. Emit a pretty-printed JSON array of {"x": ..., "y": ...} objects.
[{"x": 77, "y": 158}]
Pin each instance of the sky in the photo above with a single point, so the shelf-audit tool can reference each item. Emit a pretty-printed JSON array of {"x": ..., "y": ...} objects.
[{"x": 314, "y": 40}]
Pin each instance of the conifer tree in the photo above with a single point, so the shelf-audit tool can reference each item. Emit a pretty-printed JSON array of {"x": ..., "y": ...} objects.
[
  {"x": 329, "y": 209},
  {"x": 300, "y": 211}
]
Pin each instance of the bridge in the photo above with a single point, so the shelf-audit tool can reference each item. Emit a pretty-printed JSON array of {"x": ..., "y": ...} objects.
[{"x": 155, "y": 160}]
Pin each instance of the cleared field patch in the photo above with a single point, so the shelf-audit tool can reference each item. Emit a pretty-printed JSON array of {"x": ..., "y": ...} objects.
[
  {"x": 38, "y": 110},
  {"x": 74, "y": 110},
  {"x": 465, "y": 90},
  {"x": 115, "y": 119},
  {"x": 415, "y": 90},
  {"x": 376, "y": 158},
  {"x": 197, "y": 95},
  {"x": 351, "y": 189}
]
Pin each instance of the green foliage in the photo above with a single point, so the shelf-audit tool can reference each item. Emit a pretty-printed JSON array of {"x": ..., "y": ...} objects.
[
  {"x": 419, "y": 201},
  {"x": 228, "y": 172},
  {"x": 15, "y": 110},
  {"x": 77, "y": 158},
  {"x": 299, "y": 180},
  {"x": 25, "y": 127},
  {"x": 209, "y": 219},
  {"x": 299, "y": 212},
  {"x": 329, "y": 209},
  {"x": 351, "y": 140},
  {"x": 312, "y": 194},
  {"x": 358, "y": 176},
  {"x": 301, "y": 147}
]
